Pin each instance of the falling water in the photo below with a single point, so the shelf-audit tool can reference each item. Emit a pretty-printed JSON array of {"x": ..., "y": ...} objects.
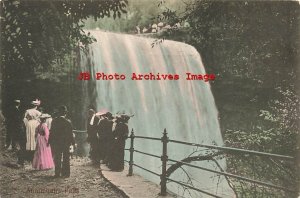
[{"x": 186, "y": 108}]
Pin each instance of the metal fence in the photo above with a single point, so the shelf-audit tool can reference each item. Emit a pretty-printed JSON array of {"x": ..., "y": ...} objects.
[{"x": 164, "y": 159}]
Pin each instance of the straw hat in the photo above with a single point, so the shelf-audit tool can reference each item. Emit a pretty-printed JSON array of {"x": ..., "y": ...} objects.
[
  {"x": 45, "y": 115},
  {"x": 123, "y": 117}
]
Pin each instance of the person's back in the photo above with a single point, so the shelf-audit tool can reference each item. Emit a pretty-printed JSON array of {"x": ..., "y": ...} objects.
[
  {"x": 14, "y": 125},
  {"x": 61, "y": 135},
  {"x": 120, "y": 134},
  {"x": 121, "y": 131},
  {"x": 31, "y": 121},
  {"x": 15, "y": 116},
  {"x": 32, "y": 113},
  {"x": 105, "y": 128},
  {"x": 105, "y": 138}
]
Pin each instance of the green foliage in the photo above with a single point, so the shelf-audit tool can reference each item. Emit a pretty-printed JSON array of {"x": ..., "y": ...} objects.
[
  {"x": 36, "y": 33},
  {"x": 60, "y": 69},
  {"x": 139, "y": 13},
  {"x": 37, "y": 42},
  {"x": 283, "y": 120},
  {"x": 250, "y": 38},
  {"x": 278, "y": 131},
  {"x": 253, "y": 47}
]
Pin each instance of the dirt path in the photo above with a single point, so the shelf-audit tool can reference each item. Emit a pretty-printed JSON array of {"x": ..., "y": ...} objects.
[{"x": 85, "y": 181}]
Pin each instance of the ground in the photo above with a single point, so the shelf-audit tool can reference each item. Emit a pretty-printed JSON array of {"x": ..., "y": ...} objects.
[{"x": 85, "y": 181}]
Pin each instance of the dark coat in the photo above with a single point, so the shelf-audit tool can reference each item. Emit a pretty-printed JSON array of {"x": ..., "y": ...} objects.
[
  {"x": 15, "y": 124},
  {"x": 61, "y": 133},
  {"x": 117, "y": 156},
  {"x": 14, "y": 118},
  {"x": 105, "y": 138},
  {"x": 121, "y": 131},
  {"x": 105, "y": 128}
]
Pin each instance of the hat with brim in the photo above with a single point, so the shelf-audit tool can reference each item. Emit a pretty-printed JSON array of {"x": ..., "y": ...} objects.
[
  {"x": 108, "y": 115},
  {"x": 17, "y": 101},
  {"x": 45, "y": 115},
  {"x": 123, "y": 117}
]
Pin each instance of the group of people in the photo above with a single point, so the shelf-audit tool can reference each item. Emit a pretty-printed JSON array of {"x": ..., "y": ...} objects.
[
  {"x": 43, "y": 140},
  {"x": 107, "y": 135}
]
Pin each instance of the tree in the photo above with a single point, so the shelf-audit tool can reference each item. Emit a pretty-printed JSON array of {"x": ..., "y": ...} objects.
[
  {"x": 35, "y": 34},
  {"x": 253, "y": 47}
]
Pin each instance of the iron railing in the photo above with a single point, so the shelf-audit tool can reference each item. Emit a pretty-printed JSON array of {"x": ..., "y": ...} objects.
[{"x": 164, "y": 159}]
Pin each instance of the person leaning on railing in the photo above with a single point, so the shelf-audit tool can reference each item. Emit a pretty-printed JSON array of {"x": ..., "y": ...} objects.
[{"x": 120, "y": 134}]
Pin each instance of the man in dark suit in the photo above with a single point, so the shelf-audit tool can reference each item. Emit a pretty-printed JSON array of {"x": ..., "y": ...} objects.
[
  {"x": 14, "y": 125},
  {"x": 60, "y": 139}
]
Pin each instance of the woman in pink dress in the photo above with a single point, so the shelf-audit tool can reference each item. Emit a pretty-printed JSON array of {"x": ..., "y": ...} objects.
[{"x": 43, "y": 156}]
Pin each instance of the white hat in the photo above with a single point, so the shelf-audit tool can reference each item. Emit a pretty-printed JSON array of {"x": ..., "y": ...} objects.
[
  {"x": 45, "y": 115},
  {"x": 17, "y": 101}
]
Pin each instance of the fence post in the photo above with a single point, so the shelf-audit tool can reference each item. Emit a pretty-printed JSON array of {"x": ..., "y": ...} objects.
[
  {"x": 164, "y": 159},
  {"x": 131, "y": 150}
]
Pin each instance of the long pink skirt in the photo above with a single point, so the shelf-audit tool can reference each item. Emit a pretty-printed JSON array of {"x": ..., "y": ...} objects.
[{"x": 43, "y": 156}]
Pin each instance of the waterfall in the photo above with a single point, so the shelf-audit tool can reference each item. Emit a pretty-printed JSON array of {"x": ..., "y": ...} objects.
[{"x": 186, "y": 108}]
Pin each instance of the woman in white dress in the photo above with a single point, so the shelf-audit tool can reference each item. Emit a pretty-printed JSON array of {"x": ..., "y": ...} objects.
[{"x": 31, "y": 120}]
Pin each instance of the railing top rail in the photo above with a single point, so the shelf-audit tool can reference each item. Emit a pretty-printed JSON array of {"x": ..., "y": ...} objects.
[
  {"x": 223, "y": 148},
  {"x": 236, "y": 150},
  {"x": 145, "y": 137}
]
